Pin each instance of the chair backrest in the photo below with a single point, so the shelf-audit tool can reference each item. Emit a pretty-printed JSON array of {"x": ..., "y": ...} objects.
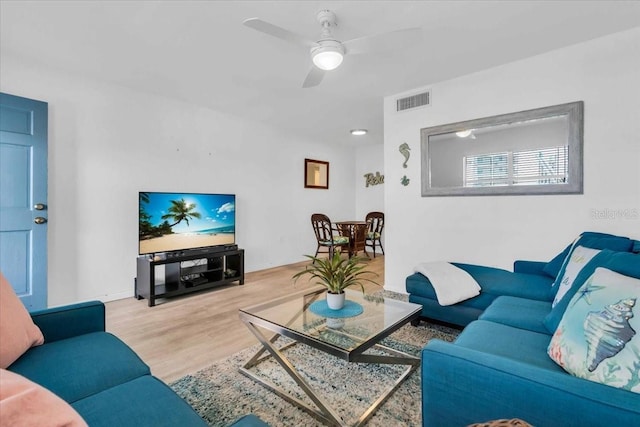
[
  {"x": 375, "y": 221},
  {"x": 322, "y": 227}
]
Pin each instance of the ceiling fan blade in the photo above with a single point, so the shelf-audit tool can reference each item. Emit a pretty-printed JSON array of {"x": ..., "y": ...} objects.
[
  {"x": 275, "y": 31},
  {"x": 314, "y": 77},
  {"x": 383, "y": 42}
]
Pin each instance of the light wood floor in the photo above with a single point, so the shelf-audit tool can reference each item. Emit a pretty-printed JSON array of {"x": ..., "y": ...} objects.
[{"x": 182, "y": 335}]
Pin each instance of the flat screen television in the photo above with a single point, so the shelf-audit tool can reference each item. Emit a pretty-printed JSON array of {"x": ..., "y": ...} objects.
[{"x": 170, "y": 222}]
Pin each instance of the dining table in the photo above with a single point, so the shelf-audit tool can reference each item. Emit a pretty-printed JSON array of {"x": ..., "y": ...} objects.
[{"x": 356, "y": 231}]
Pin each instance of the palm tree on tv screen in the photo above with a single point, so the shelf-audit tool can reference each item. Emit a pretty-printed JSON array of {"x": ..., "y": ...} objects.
[
  {"x": 145, "y": 227},
  {"x": 181, "y": 211}
]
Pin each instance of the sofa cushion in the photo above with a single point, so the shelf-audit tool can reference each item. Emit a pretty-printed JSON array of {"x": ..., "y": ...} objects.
[
  {"x": 593, "y": 240},
  {"x": 518, "y": 312},
  {"x": 597, "y": 338},
  {"x": 81, "y": 366},
  {"x": 18, "y": 333},
  {"x": 625, "y": 263},
  {"x": 461, "y": 386},
  {"x": 128, "y": 404},
  {"x": 579, "y": 257},
  {"x": 497, "y": 281},
  {"x": 24, "y": 403},
  {"x": 461, "y": 314},
  {"x": 507, "y": 341}
]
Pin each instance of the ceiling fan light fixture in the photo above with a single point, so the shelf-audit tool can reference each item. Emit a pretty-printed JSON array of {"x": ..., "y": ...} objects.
[
  {"x": 328, "y": 56},
  {"x": 326, "y": 51}
]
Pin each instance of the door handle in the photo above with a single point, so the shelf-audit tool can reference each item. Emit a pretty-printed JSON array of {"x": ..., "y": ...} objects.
[
  {"x": 39, "y": 220},
  {"x": 39, "y": 207}
]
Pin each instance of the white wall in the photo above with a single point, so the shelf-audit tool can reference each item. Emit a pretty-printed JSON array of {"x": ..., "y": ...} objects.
[
  {"x": 108, "y": 142},
  {"x": 369, "y": 159},
  {"x": 497, "y": 230}
]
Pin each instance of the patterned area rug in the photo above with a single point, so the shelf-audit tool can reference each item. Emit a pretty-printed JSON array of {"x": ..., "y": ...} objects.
[{"x": 221, "y": 394}]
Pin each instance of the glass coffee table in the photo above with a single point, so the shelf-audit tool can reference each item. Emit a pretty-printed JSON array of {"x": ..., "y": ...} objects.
[{"x": 354, "y": 339}]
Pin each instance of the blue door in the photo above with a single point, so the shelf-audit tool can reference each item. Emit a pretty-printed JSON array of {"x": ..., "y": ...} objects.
[{"x": 23, "y": 198}]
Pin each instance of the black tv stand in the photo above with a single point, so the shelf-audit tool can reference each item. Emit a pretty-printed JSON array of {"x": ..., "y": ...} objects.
[{"x": 188, "y": 271}]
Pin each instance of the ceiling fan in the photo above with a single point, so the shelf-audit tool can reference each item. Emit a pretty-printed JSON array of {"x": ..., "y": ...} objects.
[{"x": 327, "y": 53}]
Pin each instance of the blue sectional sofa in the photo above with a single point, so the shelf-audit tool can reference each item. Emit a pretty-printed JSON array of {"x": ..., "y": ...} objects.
[
  {"x": 499, "y": 366},
  {"x": 99, "y": 375},
  {"x": 529, "y": 279},
  {"x": 526, "y": 281}
]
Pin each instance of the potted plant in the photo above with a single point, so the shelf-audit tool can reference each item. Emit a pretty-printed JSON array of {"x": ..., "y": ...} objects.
[{"x": 336, "y": 274}]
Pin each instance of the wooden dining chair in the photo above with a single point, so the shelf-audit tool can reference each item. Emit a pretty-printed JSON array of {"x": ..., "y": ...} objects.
[
  {"x": 375, "y": 222},
  {"x": 327, "y": 236}
]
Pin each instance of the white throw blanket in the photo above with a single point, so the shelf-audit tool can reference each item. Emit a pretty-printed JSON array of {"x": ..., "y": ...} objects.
[{"x": 452, "y": 284}]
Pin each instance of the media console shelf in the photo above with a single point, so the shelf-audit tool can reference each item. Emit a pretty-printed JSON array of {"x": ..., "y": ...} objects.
[{"x": 187, "y": 272}]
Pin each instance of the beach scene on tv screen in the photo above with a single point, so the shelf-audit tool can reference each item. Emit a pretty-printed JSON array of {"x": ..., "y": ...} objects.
[{"x": 178, "y": 221}]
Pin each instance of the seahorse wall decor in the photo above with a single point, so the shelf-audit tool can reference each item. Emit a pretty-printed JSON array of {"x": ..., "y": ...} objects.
[{"x": 406, "y": 152}]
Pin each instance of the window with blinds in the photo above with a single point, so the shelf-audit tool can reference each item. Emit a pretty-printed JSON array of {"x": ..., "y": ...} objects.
[
  {"x": 486, "y": 170},
  {"x": 541, "y": 166}
]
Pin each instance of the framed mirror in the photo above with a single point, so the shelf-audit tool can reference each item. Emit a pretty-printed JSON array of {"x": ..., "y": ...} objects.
[
  {"x": 316, "y": 174},
  {"x": 529, "y": 152}
]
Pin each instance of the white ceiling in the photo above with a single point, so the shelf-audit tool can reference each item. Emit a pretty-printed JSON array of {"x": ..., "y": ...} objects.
[{"x": 199, "y": 51}]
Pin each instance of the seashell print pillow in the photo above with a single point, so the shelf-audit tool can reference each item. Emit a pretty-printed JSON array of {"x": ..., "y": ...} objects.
[{"x": 598, "y": 338}]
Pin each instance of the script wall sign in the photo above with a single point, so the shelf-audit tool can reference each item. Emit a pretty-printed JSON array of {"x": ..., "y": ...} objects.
[{"x": 371, "y": 179}]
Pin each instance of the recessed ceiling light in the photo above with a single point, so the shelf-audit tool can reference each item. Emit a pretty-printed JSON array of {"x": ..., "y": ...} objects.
[{"x": 358, "y": 132}]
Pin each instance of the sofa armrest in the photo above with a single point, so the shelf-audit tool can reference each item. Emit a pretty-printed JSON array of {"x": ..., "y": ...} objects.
[
  {"x": 529, "y": 267},
  {"x": 68, "y": 321},
  {"x": 461, "y": 386}
]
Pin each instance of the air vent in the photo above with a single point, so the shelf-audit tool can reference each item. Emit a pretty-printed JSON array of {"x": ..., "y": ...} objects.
[{"x": 413, "y": 101}]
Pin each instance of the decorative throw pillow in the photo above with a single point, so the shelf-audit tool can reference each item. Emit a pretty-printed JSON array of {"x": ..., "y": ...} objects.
[
  {"x": 625, "y": 263},
  {"x": 590, "y": 239},
  {"x": 597, "y": 338},
  {"x": 578, "y": 259},
  {"x": 18, "y": 333},
  {"x": 552, "y": 268},
  {"x": 24, "y": 403}
]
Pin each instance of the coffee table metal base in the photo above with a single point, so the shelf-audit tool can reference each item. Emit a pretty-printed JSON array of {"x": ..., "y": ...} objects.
[{"x": 323, "y": 411}]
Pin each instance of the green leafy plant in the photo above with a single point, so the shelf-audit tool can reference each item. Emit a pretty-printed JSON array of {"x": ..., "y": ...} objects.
[{"x": 337, "y": 273}]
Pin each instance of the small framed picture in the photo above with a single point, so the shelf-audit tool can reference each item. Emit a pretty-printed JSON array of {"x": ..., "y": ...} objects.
[{"x": 316, "y": 174}]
